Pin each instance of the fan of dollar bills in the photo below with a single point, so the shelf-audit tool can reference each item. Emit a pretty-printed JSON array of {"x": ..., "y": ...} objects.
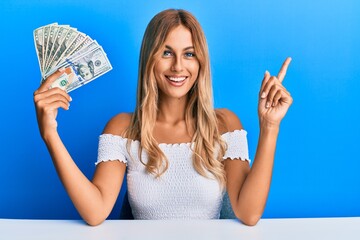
[{"x": 61, "y": 46}]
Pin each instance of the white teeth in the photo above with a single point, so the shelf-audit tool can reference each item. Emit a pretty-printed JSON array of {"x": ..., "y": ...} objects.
[{"x": 177, "y": 79}]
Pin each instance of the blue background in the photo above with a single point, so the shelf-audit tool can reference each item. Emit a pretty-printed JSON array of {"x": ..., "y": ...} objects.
[{"x": 317, "y": 165}]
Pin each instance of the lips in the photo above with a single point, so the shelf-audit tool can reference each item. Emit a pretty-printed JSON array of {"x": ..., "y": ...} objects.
[{"x": 176, "y": 80}]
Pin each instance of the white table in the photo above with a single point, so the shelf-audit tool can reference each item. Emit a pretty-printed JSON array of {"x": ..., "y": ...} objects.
[{"x": 289, "y": 229}]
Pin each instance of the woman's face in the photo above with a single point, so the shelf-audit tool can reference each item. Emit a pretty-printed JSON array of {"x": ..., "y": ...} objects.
[{"x": 177, "y": 67}]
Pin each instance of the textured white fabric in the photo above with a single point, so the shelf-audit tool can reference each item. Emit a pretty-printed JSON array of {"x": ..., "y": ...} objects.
[
  {"x": 181, "y": 192},
  {"x": 237, "y": 145}
]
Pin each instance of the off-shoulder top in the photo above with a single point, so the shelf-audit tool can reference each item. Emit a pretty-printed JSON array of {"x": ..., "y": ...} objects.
[{"x": 181, "y": 192}]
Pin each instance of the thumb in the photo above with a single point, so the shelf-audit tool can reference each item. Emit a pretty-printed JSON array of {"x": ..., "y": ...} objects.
[{"x": 47, "y": 83}]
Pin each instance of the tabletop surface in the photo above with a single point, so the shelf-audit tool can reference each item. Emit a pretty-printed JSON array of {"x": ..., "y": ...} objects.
[{"x": 292, "y": 228}]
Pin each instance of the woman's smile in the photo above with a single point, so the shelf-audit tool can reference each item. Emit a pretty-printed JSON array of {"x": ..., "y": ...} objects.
[{"x": 176, "y": 81}]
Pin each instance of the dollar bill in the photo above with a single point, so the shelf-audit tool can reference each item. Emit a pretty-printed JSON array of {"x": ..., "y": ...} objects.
[
  {"x": 51, "y": 39},
  {"x": 61, "y": 46},
  {"x": 85, "y": 43},
  {"x": 38, "y": 40},
  {"x": 82, "y": 70},
  {"x": 84, "y": 49},
  {"x": 45, "y": 42}
]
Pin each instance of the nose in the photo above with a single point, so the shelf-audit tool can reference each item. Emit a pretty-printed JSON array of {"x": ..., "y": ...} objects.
[{"x": 177, "y": 65}]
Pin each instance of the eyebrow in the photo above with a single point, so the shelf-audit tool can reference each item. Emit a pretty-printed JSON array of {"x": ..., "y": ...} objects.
[{"x": 187, "y": 48}]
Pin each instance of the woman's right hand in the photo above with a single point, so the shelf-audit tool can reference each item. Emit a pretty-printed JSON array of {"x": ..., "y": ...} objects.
[{"x": 47, "y": 101}]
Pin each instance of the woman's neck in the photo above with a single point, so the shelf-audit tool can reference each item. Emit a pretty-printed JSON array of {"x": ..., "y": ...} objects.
[
  {"x": 171, "y": 125},
  {"x": 171, "y": 111}
]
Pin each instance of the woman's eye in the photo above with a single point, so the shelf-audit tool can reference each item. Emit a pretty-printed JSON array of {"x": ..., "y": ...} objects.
[
  {"x": 167, "y": 53},
  {"x": 189, "y": 54}
]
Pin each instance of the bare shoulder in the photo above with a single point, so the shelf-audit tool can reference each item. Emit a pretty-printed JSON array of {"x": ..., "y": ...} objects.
[
  {"x": 228, "y": 121},
  {"x": 118, "y": 124}
]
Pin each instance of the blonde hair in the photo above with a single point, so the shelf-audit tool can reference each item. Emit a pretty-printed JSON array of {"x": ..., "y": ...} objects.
[{"x": 208, "y": 146}]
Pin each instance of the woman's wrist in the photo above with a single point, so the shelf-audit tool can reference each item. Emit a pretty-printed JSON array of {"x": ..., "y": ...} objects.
[
  {"x": 49, "y": 135},
  {"x": 267, "y": 127}
]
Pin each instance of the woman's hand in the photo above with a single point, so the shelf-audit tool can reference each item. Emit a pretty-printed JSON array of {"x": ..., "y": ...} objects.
[
  {"x": 274, "y": 99},
  {"x": 47, "y": 101}
]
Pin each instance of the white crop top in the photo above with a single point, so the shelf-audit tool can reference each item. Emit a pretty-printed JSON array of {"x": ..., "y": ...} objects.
[{"x": 181, "y": 192}]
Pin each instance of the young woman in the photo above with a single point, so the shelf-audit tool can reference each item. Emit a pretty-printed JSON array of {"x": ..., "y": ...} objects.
[{"x": 181, "y": 154}]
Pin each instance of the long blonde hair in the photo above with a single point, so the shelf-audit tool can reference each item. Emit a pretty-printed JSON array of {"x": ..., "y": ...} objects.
[{"x": 208, "y": 146}]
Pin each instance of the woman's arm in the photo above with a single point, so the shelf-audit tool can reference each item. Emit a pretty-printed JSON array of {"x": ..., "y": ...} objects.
[
  {"x": 248, "y": 188},
  {"x": 93, "y": 200}
]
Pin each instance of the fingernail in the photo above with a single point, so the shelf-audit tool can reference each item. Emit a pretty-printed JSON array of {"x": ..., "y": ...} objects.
[
  {"x": 263, "y": 95},
  {"x": 61, "y": 69},
  {"x": 70, "y": 99},
  {"x": 267, "y": 104},
  {"x": 266, "y": 72}
]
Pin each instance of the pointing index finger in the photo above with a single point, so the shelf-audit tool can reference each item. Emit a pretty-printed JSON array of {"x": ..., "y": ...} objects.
[{"x": 284, "y": 67}]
